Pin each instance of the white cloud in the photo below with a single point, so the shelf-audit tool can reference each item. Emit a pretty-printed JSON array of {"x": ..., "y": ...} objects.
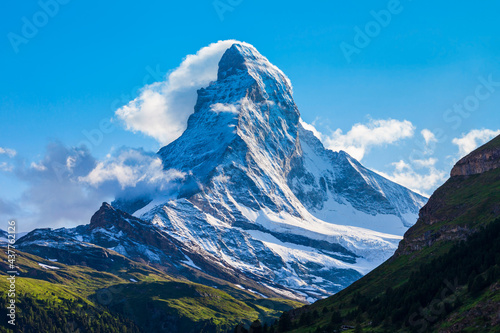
[
  {"x": 68, "y": 185},
  {"x": 420, "y": 175},
  {"x": 429, "y": 137},
  {"x": 222, "y": 107},
  {"x": 4, "y": 166},
  {"x": 53, "y": 196},
  {"x": 470, "y": 141},
  {"x": 362, "y": 137},
  {"x": 420, "y": 182},
  {"x": 8, "y": 152},
  {"x": 401, "y": 166},
  {"x": 425, "y": 163},
  {"x": 39, "y": 167},
  {"x": 130, "y": 168},
  {"x": 163, "y": 108}
]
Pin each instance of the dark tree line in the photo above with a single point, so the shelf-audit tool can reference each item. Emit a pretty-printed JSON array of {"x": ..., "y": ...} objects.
[{"x": 64, "y": 315}]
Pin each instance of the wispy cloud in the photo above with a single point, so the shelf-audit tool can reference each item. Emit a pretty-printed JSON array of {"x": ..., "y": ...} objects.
[
  {"x": 68, "y": 184},
  {"x": 420, "y": 176},
  {"x": 132, "y": 168},
  {"x": 163, "y": 108},
  {"x": 362, "y": 137},
  {"x": 429, "y": 137},
  {"x": 8, "y": 152},
  {"x": 473, "y": 139},
  {"x": 4, "y": 166}
]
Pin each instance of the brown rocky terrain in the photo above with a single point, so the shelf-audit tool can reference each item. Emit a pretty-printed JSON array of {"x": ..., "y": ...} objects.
[{"x": 482, "y": 160}]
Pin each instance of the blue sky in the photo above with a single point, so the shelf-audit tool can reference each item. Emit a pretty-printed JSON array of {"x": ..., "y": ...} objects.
[{"x": 63, "y": 80}]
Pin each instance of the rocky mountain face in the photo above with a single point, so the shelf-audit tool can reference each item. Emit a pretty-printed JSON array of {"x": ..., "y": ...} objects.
[
  {"x": 110, "y": 231},
  {"x": 263, "y": 194},
  {"x": 479, "y": 161},
  {"x": 262, "y": 199},
  {"x": 113, "y": 235}
]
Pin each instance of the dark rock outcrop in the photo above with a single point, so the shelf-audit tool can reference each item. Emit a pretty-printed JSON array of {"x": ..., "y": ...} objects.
[{"x": 479, "y": 161}]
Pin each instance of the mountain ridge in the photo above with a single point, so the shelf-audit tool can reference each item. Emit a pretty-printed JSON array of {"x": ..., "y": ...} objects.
[
  {"x": 479, "y": 161},
  {"x": 261, "y": 200}
]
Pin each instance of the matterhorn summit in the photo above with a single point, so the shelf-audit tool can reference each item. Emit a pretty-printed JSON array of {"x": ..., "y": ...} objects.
[
  {"x": 262, "y": 193},
  {"x": 263, "y": 203}
]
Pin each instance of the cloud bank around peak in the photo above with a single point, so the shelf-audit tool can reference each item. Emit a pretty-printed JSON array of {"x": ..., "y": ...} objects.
[
  {"x": 131, "y": 172},
  {"x": 68, "y": 184},
  {"x": 163, "y": 108}
]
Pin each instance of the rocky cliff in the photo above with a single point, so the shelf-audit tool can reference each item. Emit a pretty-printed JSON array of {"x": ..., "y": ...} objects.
[{"x": 482, "y": 160}]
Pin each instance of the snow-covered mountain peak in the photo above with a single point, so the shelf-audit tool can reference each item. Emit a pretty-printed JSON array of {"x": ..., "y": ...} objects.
[
  {"x": 262, "y": 196},
  {"x": 245, "y": 120},
  {"x": 233, "y": 60},
  {"x": 243, "y": 59},
  {"x": 263, "y": 200},
  {"x": 245, "y": 140}
]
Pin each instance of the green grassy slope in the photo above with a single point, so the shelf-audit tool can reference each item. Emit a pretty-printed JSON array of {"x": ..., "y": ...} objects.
[
  {"x": 87, "y": 300},
  {"x": 187, "y": 307},
  {"x": 466, "y": 199}
]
